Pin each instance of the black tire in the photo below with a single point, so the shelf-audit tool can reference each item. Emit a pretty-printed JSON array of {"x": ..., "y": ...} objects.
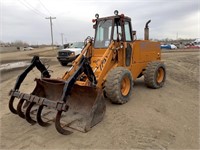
[
  {"x": 63, "y": 63},
  {"x": 155, "y": 75},
  {"x": 118, "y": 85}
]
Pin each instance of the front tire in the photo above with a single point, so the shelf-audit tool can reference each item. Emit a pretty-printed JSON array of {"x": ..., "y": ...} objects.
[
  {"x": 63, "y": 63},
  {"x": 118, "y": 85},
  {"x": 155, "y": 75}
]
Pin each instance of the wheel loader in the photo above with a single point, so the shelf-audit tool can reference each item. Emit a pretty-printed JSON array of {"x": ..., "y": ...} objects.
[{"x": 106, "y": 69}]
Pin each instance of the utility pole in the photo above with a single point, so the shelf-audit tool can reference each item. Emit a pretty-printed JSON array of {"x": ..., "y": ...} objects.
[
  {"x": 62, "y": 37},
  {"x": 50, "y": 18}
]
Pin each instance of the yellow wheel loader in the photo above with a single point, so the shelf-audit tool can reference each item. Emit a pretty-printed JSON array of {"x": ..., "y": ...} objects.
[{"x": 106, "y": 68}]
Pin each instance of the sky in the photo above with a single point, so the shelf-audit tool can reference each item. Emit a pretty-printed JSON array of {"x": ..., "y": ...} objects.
[{"x": 25, "y": 20}]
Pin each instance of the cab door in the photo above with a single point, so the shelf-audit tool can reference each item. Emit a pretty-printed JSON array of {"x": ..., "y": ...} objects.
[
  {"x": 122, "y": 33},
  {"x": 128, "y": 43}
]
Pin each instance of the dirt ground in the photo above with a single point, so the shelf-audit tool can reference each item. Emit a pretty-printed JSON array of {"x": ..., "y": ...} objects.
[{"x": 166, "y": 118}]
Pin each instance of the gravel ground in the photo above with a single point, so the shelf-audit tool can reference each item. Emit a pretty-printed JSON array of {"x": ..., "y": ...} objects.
[{"x": 166, "y": 118}]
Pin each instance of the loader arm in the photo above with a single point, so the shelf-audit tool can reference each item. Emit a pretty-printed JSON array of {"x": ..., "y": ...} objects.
[
  {"x": 77, "y": 62},
  {"x": 82, "y": 67},
  {"x": 105, "y": 64}
]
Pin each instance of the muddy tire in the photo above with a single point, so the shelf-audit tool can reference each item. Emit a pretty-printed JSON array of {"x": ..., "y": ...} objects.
[
  {"x": 118, "y": 85},
  {"x": 155, "y": 75}
]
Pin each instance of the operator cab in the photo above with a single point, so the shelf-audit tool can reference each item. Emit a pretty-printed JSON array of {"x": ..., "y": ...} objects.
[{"x": 117, "y": 28}]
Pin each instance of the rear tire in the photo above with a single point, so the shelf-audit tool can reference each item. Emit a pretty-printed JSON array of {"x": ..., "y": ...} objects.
[
  {"x": 118, "y": 85},
  {"x": 155, "y": 75}
]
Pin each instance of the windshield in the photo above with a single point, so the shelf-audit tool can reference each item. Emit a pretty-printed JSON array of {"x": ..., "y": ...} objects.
[
  {"x": 103, "y": 34},
  {"x": 77, "y": 45}
]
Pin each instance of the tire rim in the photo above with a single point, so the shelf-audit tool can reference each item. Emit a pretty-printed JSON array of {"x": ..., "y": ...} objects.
[
  {"x": 160, "y": 75},
  {"x": 125, "y": 86}
]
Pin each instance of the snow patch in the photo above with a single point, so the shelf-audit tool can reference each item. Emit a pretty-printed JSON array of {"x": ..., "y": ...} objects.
[{"x": 14, "y": 65}]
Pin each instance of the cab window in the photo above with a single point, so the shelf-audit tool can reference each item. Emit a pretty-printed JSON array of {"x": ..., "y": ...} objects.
[
  {"x": 127, "y": 30},
  {"x": 103, "y": 34}
]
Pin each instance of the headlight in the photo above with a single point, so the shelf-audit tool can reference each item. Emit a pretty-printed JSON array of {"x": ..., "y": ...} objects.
[{"x": 72, "y": 54}]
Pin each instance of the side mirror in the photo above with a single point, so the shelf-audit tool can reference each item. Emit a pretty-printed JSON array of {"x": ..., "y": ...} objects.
[{"x": 134, "y": 33}]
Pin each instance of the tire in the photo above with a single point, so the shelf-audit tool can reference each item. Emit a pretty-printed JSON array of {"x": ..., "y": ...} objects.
[
  {"x": 155, "y": 75},
  {"x": 118, "y": 85},
  {"x": 63, "y": 63}
]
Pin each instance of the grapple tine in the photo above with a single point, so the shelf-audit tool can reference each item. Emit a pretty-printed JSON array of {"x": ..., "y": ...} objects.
[
  {"x": 27, "y": 114},
  {"x": 58, "y": 126},
  {"x": 11, "y": 107},
  {"x": 39, "y": 118},
  {"x": 34, "y": 63},
  {"x": 19, "y": 108}
]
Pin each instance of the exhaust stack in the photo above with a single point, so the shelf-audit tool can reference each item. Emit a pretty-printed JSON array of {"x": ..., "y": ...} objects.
[{"x": 146, "y": 31}]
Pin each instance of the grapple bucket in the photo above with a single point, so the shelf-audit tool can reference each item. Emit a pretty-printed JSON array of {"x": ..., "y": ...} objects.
[{"x": 82, "y": 108}]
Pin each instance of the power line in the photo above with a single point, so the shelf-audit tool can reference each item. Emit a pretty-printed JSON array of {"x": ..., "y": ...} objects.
[
  {"x": 34, "y": 8},
  {"x": 28, "y": 7},
  {"x": 44, "y": 7},
  {"x": 54, "y": 25},
  {"x": 36, "y": 11}
]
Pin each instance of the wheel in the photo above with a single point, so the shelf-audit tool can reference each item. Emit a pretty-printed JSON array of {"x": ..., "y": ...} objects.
[
  {"x": 63, "y": 63},
  {"x": 155, "y": 75},
  {"x": 118, "y": 85}
]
